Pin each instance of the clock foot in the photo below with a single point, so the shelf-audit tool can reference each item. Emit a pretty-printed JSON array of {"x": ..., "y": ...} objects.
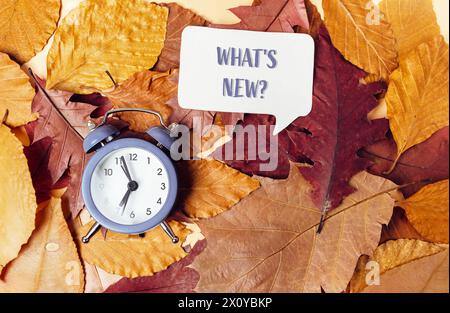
[
  {"x": 169, "y": 232},
  {"x": 94, "y": 229}
]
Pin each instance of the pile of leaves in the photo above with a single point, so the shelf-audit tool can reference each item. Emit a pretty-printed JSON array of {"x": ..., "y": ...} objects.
[{"x": 378, "y": 181}]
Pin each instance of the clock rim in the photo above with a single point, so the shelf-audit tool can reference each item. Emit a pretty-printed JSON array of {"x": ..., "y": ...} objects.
[{"x": 163, "y": 212}]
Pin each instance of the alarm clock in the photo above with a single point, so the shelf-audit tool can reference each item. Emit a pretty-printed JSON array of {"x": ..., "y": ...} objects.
[{"x": 129, "y": 185}]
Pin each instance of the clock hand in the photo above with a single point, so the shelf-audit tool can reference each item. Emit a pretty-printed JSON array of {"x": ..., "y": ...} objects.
[
  {"x": 124, "y": 167},
  {"x": 124, "y": 201}
]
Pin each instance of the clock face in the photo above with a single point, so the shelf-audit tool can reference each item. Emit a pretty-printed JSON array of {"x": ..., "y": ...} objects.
[{"x": 130, "y": 186}]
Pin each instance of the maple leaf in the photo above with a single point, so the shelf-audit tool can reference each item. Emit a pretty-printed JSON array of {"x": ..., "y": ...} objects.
[
  {"x": 179, "y": 18},
  {"x": 45, "y": 261},
  {"x": 270, "y": 16},
  {"x": 65, "y": 122},
  {"x": 178, "y": 278},
  {"x": 424, "y": 163},
  {"x": 253, "y": 247}
]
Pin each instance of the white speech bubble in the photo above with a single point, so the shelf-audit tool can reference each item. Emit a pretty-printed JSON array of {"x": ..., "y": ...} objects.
[{"x": 247, "y": 72}]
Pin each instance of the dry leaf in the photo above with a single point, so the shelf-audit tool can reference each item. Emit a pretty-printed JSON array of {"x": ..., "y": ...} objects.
[
  {"x": 17, "y": 199},
  {"x": 412, "y": 21},
  {"x": 132, "y": 256},
  {"x": 399, "y": 228},
  {"x": 365, "y": 40},
  {"x": 123, "y": 37},
  {"x": 209, "y": 187},
  {"x": 417, "y": 97},
  {"x": 16, "y": 93},
  {"x": 50, "y": 261},
  {"x": 427, "y": 210},
  {"x": 148, "y": 90},
  {"x": 405, "y": 266},
  {"x": 269, "y": 241},
  {"x": 26, "y": 25}
]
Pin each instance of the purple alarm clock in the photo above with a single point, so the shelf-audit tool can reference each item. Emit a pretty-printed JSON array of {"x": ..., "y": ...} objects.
[{"x": 130, "y": 185}]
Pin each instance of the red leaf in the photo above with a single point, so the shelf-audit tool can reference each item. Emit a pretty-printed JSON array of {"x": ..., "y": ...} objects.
[
  {"x": 177, "y": 278},
  {"x": 66, "y": 130},
  {"x": 271, "y": 16},
  {"x": 424, "y": 163}
]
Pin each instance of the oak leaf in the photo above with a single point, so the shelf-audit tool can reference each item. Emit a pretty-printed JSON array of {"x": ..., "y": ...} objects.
[
  {"x": 406, "y": 266},
  {"x": 179, "y": 18},
  {"x": 421, "y": 80},
  {"x": 123, "y": 37},
  {"x": 49, "y": 262},
  {"x": 130, "y": 255},
  {"x": 17, "y": 199},
  {"x": 270, "y": 16},
  {"x": 366, "y": 41},
  {"x": 412, "y": 21},
  {"x": 269, "y": 241},
  {"x": 148, "y": 90},
  {"x": 16, "y": 94},
  {"x": 26, "y": 25},
  {"x": 178, "y": 278},
  {"x": 427, "y": 210},
  {"x": 208, "y": 187}
]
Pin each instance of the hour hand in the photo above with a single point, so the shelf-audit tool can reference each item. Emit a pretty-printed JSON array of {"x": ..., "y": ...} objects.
[{"x": 124, "y": 167}]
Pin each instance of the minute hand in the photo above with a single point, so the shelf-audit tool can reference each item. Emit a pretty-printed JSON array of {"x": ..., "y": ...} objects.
[
  {"x": 124, "y": 201},
  {"x": 124, "y": 167}
]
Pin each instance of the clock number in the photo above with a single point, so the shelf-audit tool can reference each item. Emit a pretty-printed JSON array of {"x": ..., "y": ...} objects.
[
  {"x": 163, "y": 186},
  {"x": 159, "y": 170},
  {"x": 149, "y": 211},
  {"x": 108, "y": 171},
  {"x": 148, "y": 160},
  {"x": 133, "y": 156},
  {"x": 159, "y": 201},
  {"x": 132, "y": 215}
]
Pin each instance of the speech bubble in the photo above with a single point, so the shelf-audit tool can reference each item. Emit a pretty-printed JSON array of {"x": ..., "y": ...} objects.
[{"x": 240, "y": 71}]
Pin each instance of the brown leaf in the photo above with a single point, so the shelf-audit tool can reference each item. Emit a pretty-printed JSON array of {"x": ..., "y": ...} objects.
[
  {"x": 209, "y": 187},
  {"x": 49, "y": 262},
  {"x": 179, "y": 18},
  {"x": 268, "y": 242},
  {"x": 132, "y": 256},
  {"x": 428, "y": 211},
  {"x": 399, "y": 228},
  {"x": 148, "y": 90},
  {"x": 17, "y": 199}
]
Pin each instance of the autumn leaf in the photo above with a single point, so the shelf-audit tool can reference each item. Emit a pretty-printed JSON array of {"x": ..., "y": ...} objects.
[
  {"x": 130, "y": 255},
  {"x": 399, "y": 228},
  {"x": 270, "y": 16},
  {"x": 16, "y": 93},
  {"x": 17, "y": 199},
  {"x": 49, "y": 262},
  {"x": 365, "y": 40},
  {"x": 420, "y": 165},
  {"x": 406, "y": 266},
  {"x": 428, "y": 211},
  {"x": 421, "y": 79},
  {"x": 412, "y": 21},
  {"x": 314, "y": 18},
  {"x": 148, "y": 90},
  {"x": 209, "y": 187},
  {"x": 178, "y": 278},
  {"x": 269, "y": 241},
  {"x": 85, "y": 46},
  {"x": 179, "y": 18},
  {"x": 65, "y": 122},
  {"x": 26, "y": 25}
]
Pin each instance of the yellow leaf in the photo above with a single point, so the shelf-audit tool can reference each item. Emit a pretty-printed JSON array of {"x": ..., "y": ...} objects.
[
  {"x": 16, "y": 93},
  {"x": 403, "y": 265},
  {"x": 26, "y": 25},
  {"x": 17, "y": 199},
  {"x": 427, "y": 210},
  {"x": 361, "y": 35},
  {"x": 412, "y": 21},
  {"x": 130, "y": 255},
  {"x": 49, "y": 262},
  {"x": 148, "y": 90},
  {"x": 210, "y": 187},
  {"x": 417, "y": 97},
  {"x": 123, "y": 37}
]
